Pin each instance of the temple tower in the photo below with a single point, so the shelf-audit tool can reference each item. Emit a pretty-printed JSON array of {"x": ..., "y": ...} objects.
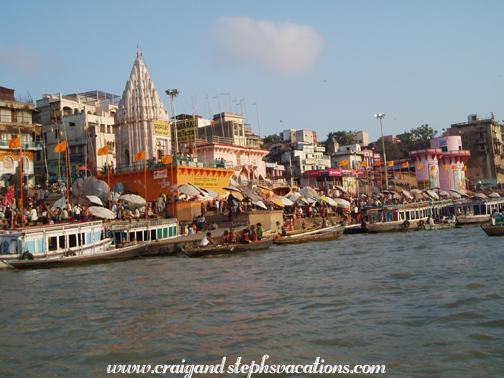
[{"x": 141, "y": 121}]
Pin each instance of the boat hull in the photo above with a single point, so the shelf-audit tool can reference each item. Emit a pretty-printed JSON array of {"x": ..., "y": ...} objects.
[
  {"x": 396, "y": 226},
  {"x": 320, "y": 236},
  {"x": 493, "y": 230},
  {"x": 118, "y": 254},
  {"x": 228, "y": 248}
]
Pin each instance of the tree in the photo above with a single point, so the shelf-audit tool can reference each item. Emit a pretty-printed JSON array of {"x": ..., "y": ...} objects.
[
  {"x": 393, "y": 153},
  {"x": 270, "y": 138},
  {"x": 423, "y": 135},
  {"x": 342, "y": 137}
]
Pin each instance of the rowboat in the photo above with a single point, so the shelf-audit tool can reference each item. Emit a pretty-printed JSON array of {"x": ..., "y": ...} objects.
[
  {"x": 115, "y": 254},
  {"x": 440, "y": 226},
  {"x": 359, "y": 228},
  {"x": 493, "y": 230},
  {"x": 329, "y": 233},
  {"x": 227, "y": 249}
]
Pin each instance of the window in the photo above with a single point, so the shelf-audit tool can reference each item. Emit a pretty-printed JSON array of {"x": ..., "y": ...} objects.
[
  {"x": 71, "y": 124},
  {"x": 5, "y": 115},
  {"x": 8, "y": 162}
]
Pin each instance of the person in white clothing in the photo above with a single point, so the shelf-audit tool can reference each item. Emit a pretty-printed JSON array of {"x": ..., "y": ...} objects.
[{"x": 207, "y": 240}]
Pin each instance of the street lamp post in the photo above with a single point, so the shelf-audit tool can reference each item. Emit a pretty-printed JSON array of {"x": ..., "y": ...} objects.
[
  {"x": 380, "y": 117},
  {"x": 173, "y": 93}
]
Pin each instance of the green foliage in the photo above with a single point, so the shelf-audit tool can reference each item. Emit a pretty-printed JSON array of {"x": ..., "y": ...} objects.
[
  {"x": 342, "y": 137},
  {"x": 391, "y": 149},
  {"x": 270, "y": 138}
]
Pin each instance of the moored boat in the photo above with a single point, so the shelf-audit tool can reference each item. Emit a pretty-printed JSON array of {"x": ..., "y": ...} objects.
[
  {"x": 493, "y": 230},
  {"x": 327, "y": 234},
  {"x": 227, "y": 249},
  {"x": 440, "y": 226},
  {"x": 114, "y": 254}
]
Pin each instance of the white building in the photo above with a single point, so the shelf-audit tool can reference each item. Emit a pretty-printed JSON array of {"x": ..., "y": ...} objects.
[{"x": 85, "y": 121}]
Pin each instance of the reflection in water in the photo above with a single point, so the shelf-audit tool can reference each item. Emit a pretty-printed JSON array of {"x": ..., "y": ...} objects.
[{"x": 422, "y": 303}]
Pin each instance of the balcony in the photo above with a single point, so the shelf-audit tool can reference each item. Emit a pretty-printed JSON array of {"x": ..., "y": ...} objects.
[{"x": 4, "y": 144}]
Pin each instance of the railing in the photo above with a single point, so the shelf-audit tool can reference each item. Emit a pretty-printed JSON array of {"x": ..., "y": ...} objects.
[{"x": 5, "y": 143}]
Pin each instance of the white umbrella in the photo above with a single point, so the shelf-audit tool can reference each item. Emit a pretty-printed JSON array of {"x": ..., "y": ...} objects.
[
  {"x": 285, "y": 201},
  {"x": 342, "y": 203},
  {"x": 341, "y": 189},
  {"x": 260, "y": 204},
  {"x": 417, "y": 191},
  {"x": 455, "y": 194},
  {"x": 59, "y": 203},
  {"x": 295, "y": 197},
  {"x": 190, "y": 190},
  {"x": 114, "y": 196},
  {"x": 407, "y": 195},
  {"x": 309, "y": 192},
  {"x": 232, "y": 188},
  {"x": 479, "y": 195},
  {"x": 135, "y": 198},
  {"x": 310, "y": 200},
  {"x": 101, "y": 212},
  {"x": 432, "y": 193},
  {"x": 444, "y": 194},
  {"x": 94, "y": 199},
  {"x": 211, "y": 193},
  {"x": 494, "y": 195}
]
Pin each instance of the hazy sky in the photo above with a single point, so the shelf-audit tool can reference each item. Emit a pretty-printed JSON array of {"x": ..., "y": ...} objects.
[{"x": 317, "y": 65}]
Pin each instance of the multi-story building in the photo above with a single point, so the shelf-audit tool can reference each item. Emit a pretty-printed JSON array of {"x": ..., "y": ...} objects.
[
  {"x": 17, "y": 119},
  {"x": 361, "y": 137},
  {"x": 483, "y": 138},
  {"x": 85, "y": 121}
]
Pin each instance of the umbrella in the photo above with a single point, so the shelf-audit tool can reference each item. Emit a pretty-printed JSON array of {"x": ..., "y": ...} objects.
[
  {"x": 432, "y": 193},
  {"x": 210, "y": 193},
  {"x": 135, "y": 198},
  {"x": 94, "y": 199},
  {"x": 330, "y": 201},
  {"x": 455, "y": 194},
  {"x": 310, "y": 200},
  {"x": 309, "y": 192},
  {"x": 236, "y": 195},
  {"x": 286, "y": 201},
  {"x": 296, "y": 197},
  {"x": 114, "y": 196},
  {"x": 444, "y": 194},
  {"x": 101, "y": 212},
  {"x": 407, "y": 194},
  {"x": 59, "y": 203},
  {"x": 77, "y": 186},
  {"x": 479, "y": 195},
  {"x": 82, "y": 168},
  {"x": 417, "y": 191},
  {"x": 119, "y": 188},
  {"x": 260, "y": 204},
  {"x": 266, "y": 191},
  {"x": 276, "y": 201},
  {"x": 494, "y": 195},
  {"x": 252, "y": 195},
  {"x": 342, "y": 203},
  {"x": 232, "y": 188},
  {"x": 341, "y": 189},
  {"x": 190, "y": 190}
]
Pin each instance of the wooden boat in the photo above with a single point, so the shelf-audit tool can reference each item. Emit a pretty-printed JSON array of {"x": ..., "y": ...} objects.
[
  {"x": 115, "y": 254},
  {"x": 53, "y": 241},
  {"x": 329, "y": 233},
  {"x": 228, "y": 248},
  {"x": 359, "y": 228},
  {"x": 497, "y": 230}
]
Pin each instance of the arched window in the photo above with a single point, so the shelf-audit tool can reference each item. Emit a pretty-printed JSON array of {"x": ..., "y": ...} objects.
[
  {"x": 26, "y": 165},
  {"x": 8, "y": 162}
]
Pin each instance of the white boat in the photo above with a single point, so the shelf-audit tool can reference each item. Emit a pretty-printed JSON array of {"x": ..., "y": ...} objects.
[{"x": 53, "y": 241}]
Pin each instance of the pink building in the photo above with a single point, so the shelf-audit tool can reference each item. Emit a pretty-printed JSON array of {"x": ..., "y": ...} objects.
[
  {"x": 247, "y": 162},
  {"x": 441, "y": 165}
]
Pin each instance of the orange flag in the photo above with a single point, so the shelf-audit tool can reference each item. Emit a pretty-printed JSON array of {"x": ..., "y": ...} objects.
[
  {"x": 445, "y": 167},
  {"x": 390, "y": 164},
  {"x": 432, "y": 167},
  {"x": 363, "y": 163},
  {"x": 419, "y": 166},
  {"x": 454, "y": 167},
  {"x": 140, "y": 155},
  {"x": 405, "y": 164},
  {"x": 167, "y": 159},
  {"x": 103, "y": 151},
  {"x": 377, "y": 163},
  {"x": 60, "y": 147},
  {"x": 15, "y": 143},
  {"x": 465, "y": 168},
  {"x": 343, "y": 163}
]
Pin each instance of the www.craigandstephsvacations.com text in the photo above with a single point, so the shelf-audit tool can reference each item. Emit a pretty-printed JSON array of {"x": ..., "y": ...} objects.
[{"x": 187, "y": 370}]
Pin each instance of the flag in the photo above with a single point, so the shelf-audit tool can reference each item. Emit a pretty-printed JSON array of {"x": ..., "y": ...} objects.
[
  {"x": 167, "y": 159},
  {"x": 103, "y": 151},
  {"x": 363, "y": 163},
  {"x": 377, "y": 163},
  {"x": 432, "y": 168},
  {"x": 405, "y": 165},
  {"x": 454, "y": 167},
  {"x": 9, "y": 196},
  {"x": 15, "y": 143},
  {"x": 445, "y": 167},
  {"x": 419, "y": 166},
  {"x": 140, "y": 155},
  {"x": 390, "y": 164},
  {"x": 60, "y": 147},
  {"x": 343, "y": 163},
  {"x": 464, "y": 168}
]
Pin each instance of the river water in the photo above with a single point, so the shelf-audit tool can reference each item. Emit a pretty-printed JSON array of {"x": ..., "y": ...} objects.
[{"x": 425, "y": 304}]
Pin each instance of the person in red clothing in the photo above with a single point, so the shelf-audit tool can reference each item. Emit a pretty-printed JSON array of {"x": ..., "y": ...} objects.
[
  {"x": 244, "y": 239},
  {"x": 253, "y": 234}
]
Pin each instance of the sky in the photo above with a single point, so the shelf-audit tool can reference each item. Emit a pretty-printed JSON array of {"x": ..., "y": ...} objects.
[{"x": 318, "y": 65}]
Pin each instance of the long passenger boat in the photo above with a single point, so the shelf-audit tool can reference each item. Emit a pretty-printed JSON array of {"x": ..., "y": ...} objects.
[
  {"x": 53, "y": 241},
  {"x": 323, "y": 234},
  {"x": 227, "y": 249},
  {"x": 475, "y": 212}
]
